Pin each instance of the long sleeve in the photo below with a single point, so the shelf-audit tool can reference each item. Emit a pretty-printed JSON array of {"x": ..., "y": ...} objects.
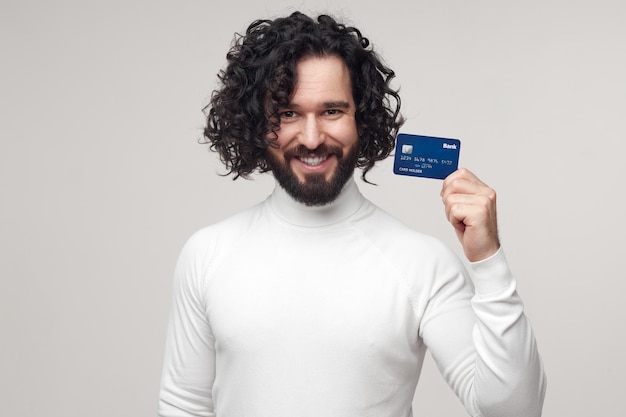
[
  {"x": 276, "y": 310},
  {"x": 189, "y": 361},
  {"x": 487, "y": 353}
]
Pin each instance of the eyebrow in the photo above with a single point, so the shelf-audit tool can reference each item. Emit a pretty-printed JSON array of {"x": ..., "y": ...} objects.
[
  {"x": 326, "y": 105},
  {"x": 340, "y": 104}
]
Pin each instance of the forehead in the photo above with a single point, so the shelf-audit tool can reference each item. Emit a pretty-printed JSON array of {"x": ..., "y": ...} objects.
[{"x": 327, "y": 75}]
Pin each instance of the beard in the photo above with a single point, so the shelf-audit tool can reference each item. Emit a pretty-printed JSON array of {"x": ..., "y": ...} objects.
[{"x": 315, "y": 189}]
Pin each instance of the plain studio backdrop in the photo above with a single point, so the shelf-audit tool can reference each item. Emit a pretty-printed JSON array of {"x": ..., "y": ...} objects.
[{"x": 102, "y": 178}]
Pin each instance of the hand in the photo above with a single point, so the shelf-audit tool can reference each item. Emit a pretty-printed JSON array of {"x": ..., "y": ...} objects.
[{"x": 471, "y": 208}]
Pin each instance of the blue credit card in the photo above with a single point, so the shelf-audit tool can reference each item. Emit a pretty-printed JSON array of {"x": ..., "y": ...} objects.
[{"x": 426, "y": 156}]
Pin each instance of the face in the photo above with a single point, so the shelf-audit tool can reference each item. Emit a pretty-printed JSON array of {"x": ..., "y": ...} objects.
[{"x": 317, "y": 140}]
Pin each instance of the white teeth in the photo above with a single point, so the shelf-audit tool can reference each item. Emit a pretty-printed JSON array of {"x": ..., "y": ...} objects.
[{"x": 315, "y": 160}]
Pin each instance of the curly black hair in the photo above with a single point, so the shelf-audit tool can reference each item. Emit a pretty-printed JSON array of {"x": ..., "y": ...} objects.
[{"x": 260, "y": 77}]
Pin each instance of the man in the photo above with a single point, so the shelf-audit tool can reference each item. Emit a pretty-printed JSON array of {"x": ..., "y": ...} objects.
[{"x": 316, "y": 302}]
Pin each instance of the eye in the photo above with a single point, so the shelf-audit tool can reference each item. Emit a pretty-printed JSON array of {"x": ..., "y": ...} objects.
[
  {"x": 287, "y": 114},
  {"x": 333, "y": 112}
]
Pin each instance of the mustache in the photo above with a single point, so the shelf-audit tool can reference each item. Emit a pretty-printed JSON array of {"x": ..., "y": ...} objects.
[{"x": 322, "y": 150}]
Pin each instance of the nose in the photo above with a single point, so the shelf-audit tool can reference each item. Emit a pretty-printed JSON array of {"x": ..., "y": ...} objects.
[{"x": 312, "y": 133}]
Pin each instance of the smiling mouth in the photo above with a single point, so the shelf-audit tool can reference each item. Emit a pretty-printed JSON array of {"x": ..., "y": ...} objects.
[
  {"x": 313, "y": 160},
  {"x": 313, "y": 157}
]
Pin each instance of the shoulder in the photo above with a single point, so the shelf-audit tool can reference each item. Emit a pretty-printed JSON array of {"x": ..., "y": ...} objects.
[
  {"x": 424, "y": 266},
  {"x": 218, "y": 238},
  {"x": 387, "y": 228},
  {"x": 403, "y": 245},
  {"x": 205, "y": 249}
]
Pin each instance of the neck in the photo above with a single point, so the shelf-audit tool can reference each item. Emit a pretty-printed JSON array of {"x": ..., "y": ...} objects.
[{"x": 294, "y": 212}]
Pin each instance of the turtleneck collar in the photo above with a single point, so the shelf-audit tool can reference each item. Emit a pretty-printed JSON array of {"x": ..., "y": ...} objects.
[{"x": 346, "y": 204}]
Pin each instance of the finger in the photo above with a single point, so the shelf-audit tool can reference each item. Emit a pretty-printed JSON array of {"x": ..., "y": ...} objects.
[
  {"x": 457, "y": 216},
  {"x": 458, "y": 179},
  {"x": 467, "y": 185},
  {"x": 474, "y": 209},
  {"x": 476, "y": 229},
  {"x": 463, "y": 174}
]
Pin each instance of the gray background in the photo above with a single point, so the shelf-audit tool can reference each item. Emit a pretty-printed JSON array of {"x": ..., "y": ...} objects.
[{"x": 102, "y": 178}]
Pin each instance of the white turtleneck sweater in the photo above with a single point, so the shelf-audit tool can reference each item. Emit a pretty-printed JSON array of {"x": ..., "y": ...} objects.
[{"x": 286, "y": 310}]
